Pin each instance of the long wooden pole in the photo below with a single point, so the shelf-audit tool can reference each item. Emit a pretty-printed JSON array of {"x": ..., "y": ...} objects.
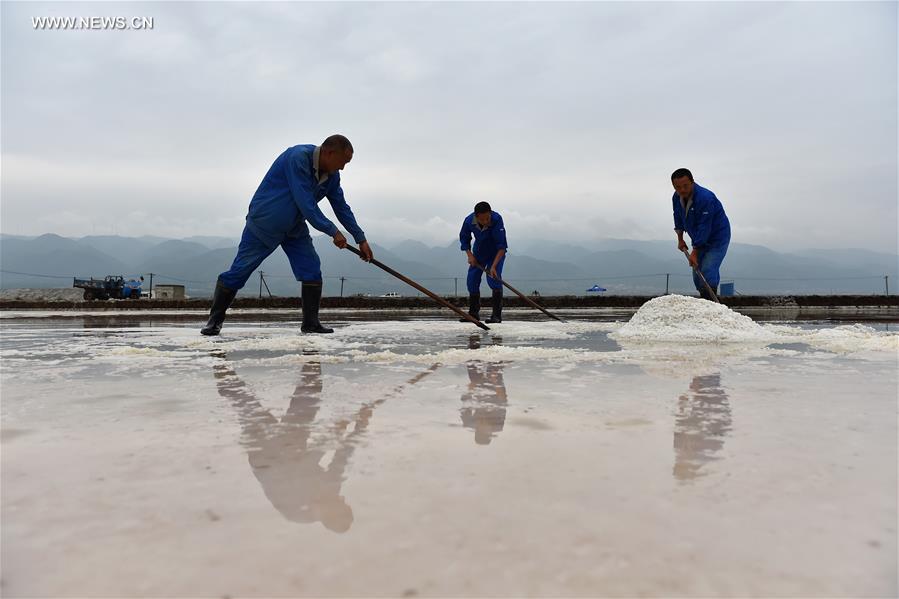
[
  {"x": 520, "y": 294},
  {"x": 702, "y": 278},
  {"x": 427, "y": 292}
]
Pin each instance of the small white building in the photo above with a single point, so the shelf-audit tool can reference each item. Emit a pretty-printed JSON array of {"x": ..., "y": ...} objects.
[{"x": 169, "y": 292}]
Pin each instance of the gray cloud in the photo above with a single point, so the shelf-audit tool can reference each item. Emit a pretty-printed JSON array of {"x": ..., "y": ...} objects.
[{"x": 567, "y": 117}]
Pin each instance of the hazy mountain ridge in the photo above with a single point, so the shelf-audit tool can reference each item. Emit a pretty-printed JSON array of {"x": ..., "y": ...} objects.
[{"x": 620, "y": 265}]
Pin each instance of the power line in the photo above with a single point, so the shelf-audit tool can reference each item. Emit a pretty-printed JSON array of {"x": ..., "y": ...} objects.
[
  {"x": 164, "y": 276},
  {"x": 532, "y": 280},
  {"x": 31, "y": 274},
  {"x": 133, "y": 276},
  {"x": 739, "y": 278}
]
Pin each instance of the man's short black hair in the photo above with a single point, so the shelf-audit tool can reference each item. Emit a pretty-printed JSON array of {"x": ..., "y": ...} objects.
[
  {"x": 682, "y": 172},
  {"x": 481, "y": 208},
  {"x": 337, "y": 143}
]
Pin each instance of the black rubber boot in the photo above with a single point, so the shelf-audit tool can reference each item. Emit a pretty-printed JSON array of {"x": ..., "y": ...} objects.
[
  {"x": 221, "y": 301},
  {"x": 312, "y": 296},
  {"x": 497, "y": 315},
  {"x": 474, "y": 307}
]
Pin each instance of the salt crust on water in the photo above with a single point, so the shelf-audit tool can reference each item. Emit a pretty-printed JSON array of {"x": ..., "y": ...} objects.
[{"x": 669, "y": 328}]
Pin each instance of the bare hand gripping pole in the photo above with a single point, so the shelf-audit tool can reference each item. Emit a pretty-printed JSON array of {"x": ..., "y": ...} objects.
[{"x": 702, "y": 278}]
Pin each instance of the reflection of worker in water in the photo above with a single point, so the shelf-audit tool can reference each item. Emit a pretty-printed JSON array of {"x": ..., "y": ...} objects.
[
  {"x": 484, "y": 402},
  {"x": 702, "y": 421},
  {"x": 284, "y": 460}
]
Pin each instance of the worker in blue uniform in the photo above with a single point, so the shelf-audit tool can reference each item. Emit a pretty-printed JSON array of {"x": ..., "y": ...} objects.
[
  {"x": 699, "y": 212},
  {"x": 489, "y": 233},
  {"x": 286, "y": 200}
]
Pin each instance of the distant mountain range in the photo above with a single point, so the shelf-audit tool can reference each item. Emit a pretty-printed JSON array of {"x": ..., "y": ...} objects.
[{"x": 622, "y": 266}]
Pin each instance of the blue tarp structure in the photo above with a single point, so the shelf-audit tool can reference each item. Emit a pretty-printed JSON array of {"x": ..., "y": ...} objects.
[{"x": 596, "y": 289}]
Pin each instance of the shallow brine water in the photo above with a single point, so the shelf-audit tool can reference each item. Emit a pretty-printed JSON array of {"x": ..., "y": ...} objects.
[{"x": 688, "y": 452}]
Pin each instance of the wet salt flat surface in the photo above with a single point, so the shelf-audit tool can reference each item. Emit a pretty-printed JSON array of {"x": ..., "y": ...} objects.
[{"x": 690, "y": 452}]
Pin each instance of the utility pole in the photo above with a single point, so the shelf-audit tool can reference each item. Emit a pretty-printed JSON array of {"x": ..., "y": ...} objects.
[
  {"x": 151, "y": 285},
  {"x": 261, "y": 274},
  {"x": 886, "y": 283},
  {"x": 456, "y": 286},
  {"x": 342, "y": 279},
  {"x": 667, "y": 276}
]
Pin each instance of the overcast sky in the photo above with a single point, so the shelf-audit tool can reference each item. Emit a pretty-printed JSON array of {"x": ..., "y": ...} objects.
[{"x": 567, "y": 118}]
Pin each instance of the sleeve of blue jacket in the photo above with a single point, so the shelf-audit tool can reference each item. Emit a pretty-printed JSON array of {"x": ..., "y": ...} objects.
[
  {"x": 678, "y": 213},
  {"x": 345, "y": 214},
  {"x": 708, "y": 213},
  {"x": 499, "y": 233},
  {"x": 299, "y": 178},
  {"x": 465, "y": 235}
]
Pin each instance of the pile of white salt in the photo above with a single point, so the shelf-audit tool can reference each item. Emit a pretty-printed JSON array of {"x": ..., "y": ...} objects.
[{"x": 682, "y": 318}]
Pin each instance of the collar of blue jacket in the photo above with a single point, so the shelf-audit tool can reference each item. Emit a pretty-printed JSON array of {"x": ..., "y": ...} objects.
[
  {"x": 319, "y": 177},
  {"x": 492, "y": 237},
  {"x": 704, "y": 219},
  {"x": 475, "y": 223},
  {"x": 288, "y": 196}
]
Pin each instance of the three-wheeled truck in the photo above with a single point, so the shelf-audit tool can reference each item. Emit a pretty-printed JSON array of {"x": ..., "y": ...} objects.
[{"x": 109, "y": 287}]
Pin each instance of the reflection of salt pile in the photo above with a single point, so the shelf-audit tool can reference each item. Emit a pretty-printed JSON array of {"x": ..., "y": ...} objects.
[{"x": 681, "y": 318}]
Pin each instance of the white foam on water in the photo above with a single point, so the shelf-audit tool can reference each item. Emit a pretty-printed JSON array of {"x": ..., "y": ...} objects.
[
  {"x": 271, "y": 339},
  {"x": 668, "y": 333},
  {"x": 514, "y": 329},
  {"x": 289, "y": 359},
  {"x": 842, "y": 339},
  {"x": 149, "y": 352},
  {"x": 493, "y": 353},
  {"x": 10, "y": 314}
]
